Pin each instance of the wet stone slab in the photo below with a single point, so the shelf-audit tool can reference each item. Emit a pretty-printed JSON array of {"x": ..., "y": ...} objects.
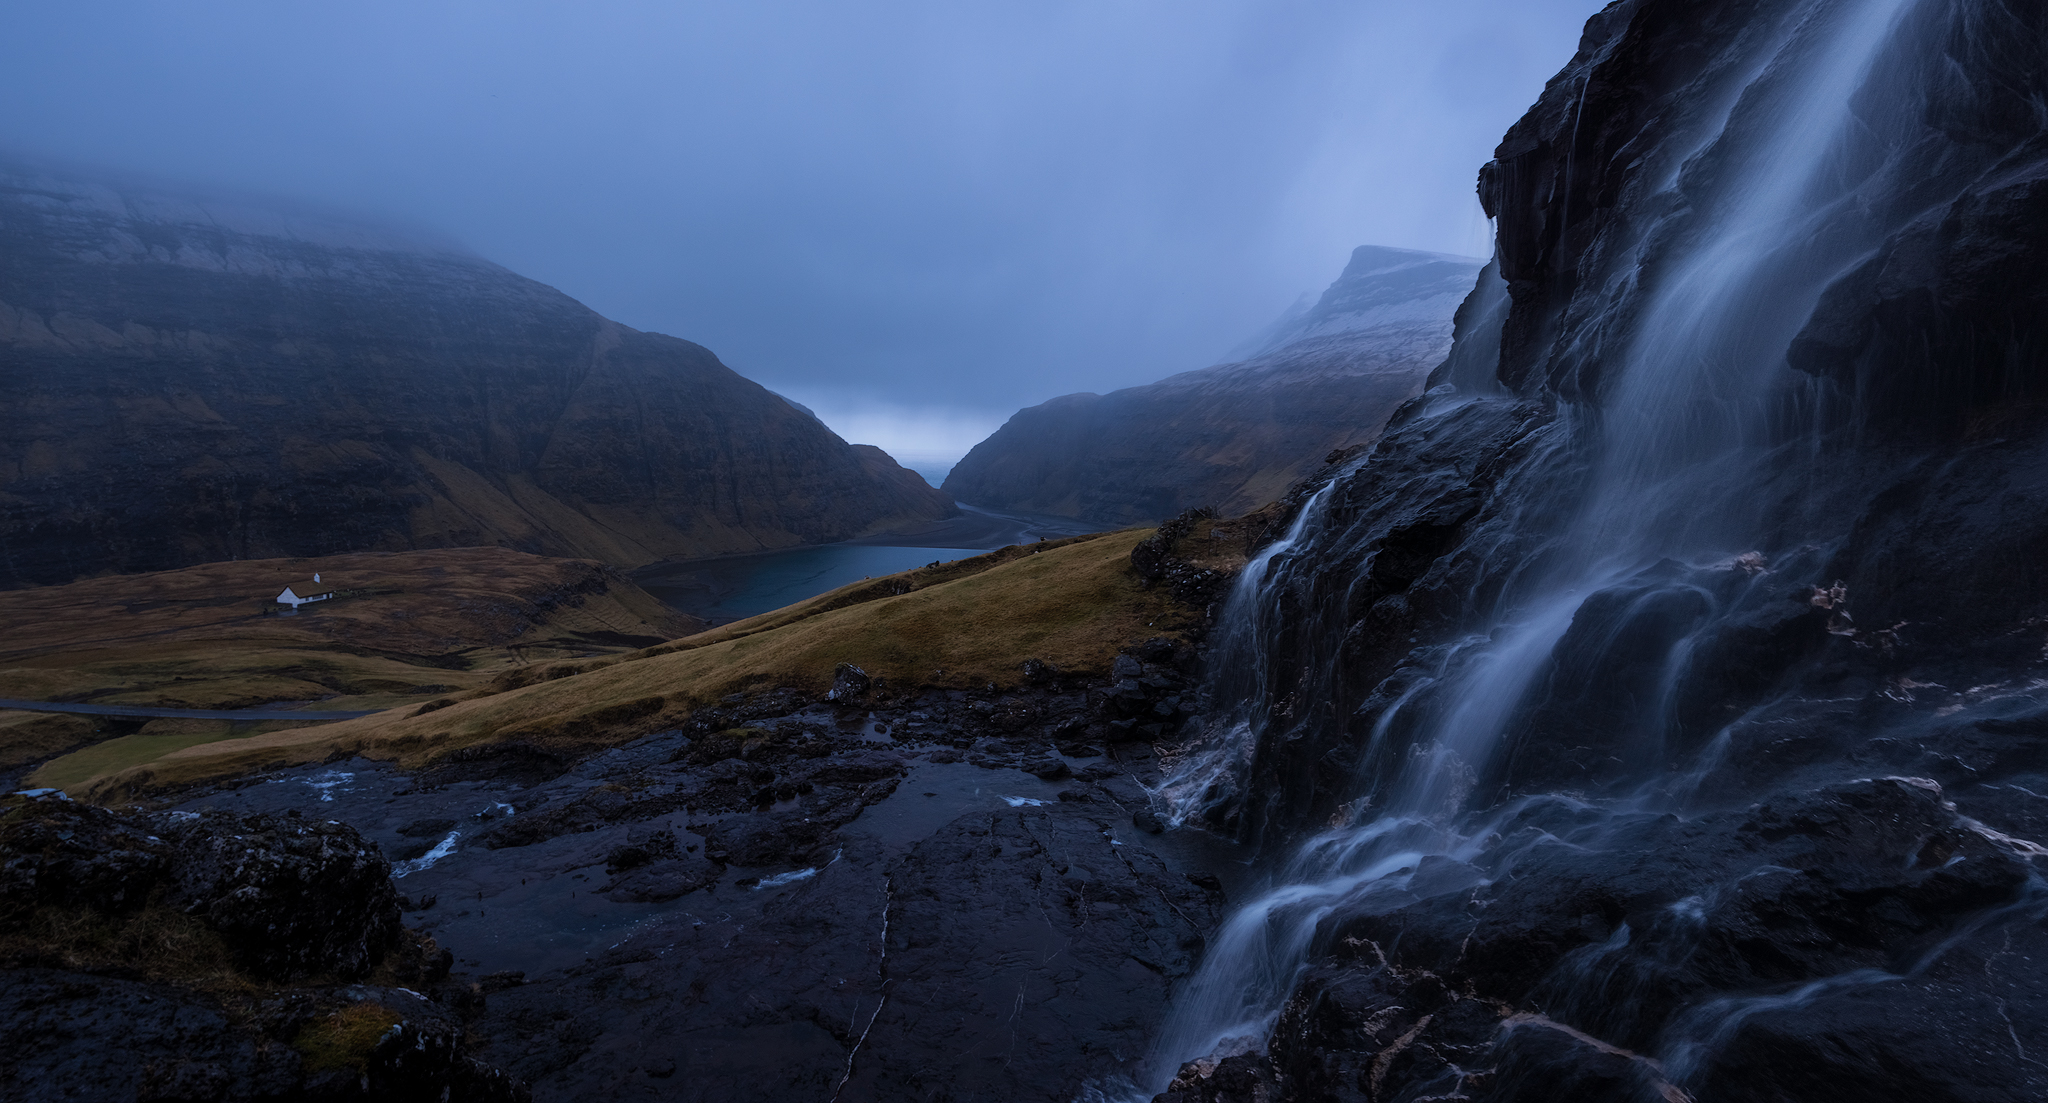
[{"x": 841, "y": 905}]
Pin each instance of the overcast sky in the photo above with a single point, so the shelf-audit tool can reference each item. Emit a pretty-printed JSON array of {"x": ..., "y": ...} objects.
[{"x": 913, "y": 216}]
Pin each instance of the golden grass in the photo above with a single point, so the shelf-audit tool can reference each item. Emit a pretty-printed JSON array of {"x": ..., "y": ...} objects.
[
  {"x": 234, "y": 674},
  {"x": 121, "y": 752},
  {"x": 412, "y": 627},
  {"x": 1073, "y": 604},
  {"x": 344, "y": 1039},
  {"x": 460, "y": 607},
  {"x": 27, "y": 737}
]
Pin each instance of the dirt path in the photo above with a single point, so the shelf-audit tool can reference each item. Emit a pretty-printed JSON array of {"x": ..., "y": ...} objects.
[{"x": 180, "y": 714}]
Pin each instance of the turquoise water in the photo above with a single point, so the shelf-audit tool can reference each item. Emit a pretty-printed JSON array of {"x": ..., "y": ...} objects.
[{"x": 740, "y": 586}]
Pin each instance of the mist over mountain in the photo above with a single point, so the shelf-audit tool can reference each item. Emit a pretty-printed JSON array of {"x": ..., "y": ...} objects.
[
  {"x": 1652, "y": 707},
  {"x": 200, "y": 378},
  {"x": 1236, "y": 435}
]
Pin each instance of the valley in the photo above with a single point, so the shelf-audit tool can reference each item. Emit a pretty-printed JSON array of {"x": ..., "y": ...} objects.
[{"x": 1615, "y": 671}]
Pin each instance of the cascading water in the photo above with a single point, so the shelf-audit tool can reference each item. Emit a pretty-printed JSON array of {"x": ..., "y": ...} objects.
[
  {"x": 1628, "y": 539},
  {"x": 1205, "y": 779}
]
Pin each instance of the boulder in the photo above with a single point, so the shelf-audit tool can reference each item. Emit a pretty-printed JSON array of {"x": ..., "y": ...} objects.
[{"x": 291, "y": 896}]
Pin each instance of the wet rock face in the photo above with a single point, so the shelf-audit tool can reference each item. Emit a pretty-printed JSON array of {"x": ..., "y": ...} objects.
[
  {"x": 1761, "y": 821},
  {"x": 1570, "y": 962},
  {"x": 1150, "y": 695},
  {"x": 1910, "y": 329},
  {"x": 1014, "y": 954},
  {"x": 1447, "y": 471},
  {"x": 1239, "y": 1078},
  {"x": 1863, "y": 875},
  {"x": 193, "y": 382},
  {"x": 1922, "y": 512}
]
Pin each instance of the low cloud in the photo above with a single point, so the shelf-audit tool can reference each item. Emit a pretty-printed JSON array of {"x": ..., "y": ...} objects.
[{"x": 922, "y": 438}]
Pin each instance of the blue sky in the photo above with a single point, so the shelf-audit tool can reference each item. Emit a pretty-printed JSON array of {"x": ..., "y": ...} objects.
[{"x": 913, "y": 216}]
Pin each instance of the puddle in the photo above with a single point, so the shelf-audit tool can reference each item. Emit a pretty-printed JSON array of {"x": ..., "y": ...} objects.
[
  {"x": 781, "y": 879},
  {"x": 934, "y": 794},
  {"x": 496, "y": 919},
  {"x": 326, "y": 784}
]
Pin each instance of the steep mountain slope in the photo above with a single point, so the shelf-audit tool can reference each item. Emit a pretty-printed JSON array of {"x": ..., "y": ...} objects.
[
  {"x": 194, "y": 380},
  {"x": 1237, "y": 435}
]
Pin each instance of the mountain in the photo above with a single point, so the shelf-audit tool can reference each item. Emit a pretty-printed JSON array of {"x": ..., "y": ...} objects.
[
  {"x": 1659, "y": 710},
  {"x": 196, "y": 379},
  {"x": 1236, "y": 435}
]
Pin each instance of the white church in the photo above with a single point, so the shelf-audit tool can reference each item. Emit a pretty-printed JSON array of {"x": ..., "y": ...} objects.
[{"x": 294, "y": 600}]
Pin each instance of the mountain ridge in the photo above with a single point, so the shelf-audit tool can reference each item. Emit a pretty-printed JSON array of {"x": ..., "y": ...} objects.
[
  {"x": 1233, "y": 435},
  {"x": 196, "y": 382}
]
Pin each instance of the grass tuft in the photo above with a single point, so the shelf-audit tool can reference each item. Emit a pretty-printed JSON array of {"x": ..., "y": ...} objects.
[{"x": 344, "y": 1039}]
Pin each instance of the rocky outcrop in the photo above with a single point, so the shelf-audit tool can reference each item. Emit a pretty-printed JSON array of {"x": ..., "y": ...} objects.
[
  {"x": 192, "y": 380},
  {"x": 290, "y": 897},
  {"x": 208, "y": 956},
  {"x": 1237, "y": 435},
  {"x": 1675, "y": 657}
]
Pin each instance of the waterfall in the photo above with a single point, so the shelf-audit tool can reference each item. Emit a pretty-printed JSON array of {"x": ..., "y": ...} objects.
[
  {"x": 1205, "y": 779},
  {"x": 1639, "y": 518}
]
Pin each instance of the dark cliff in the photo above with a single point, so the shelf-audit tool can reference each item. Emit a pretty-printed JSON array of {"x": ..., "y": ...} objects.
[
  {"x": 195, "y": 380},
  {"x": 1237, "y": 435},
  {"x": 1657, "y": 711}
]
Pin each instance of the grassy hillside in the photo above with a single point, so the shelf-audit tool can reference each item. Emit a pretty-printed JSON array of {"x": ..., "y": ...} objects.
[
  {"x": 1071, "y": 603},
  {"x": 408, "y": 627}
]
